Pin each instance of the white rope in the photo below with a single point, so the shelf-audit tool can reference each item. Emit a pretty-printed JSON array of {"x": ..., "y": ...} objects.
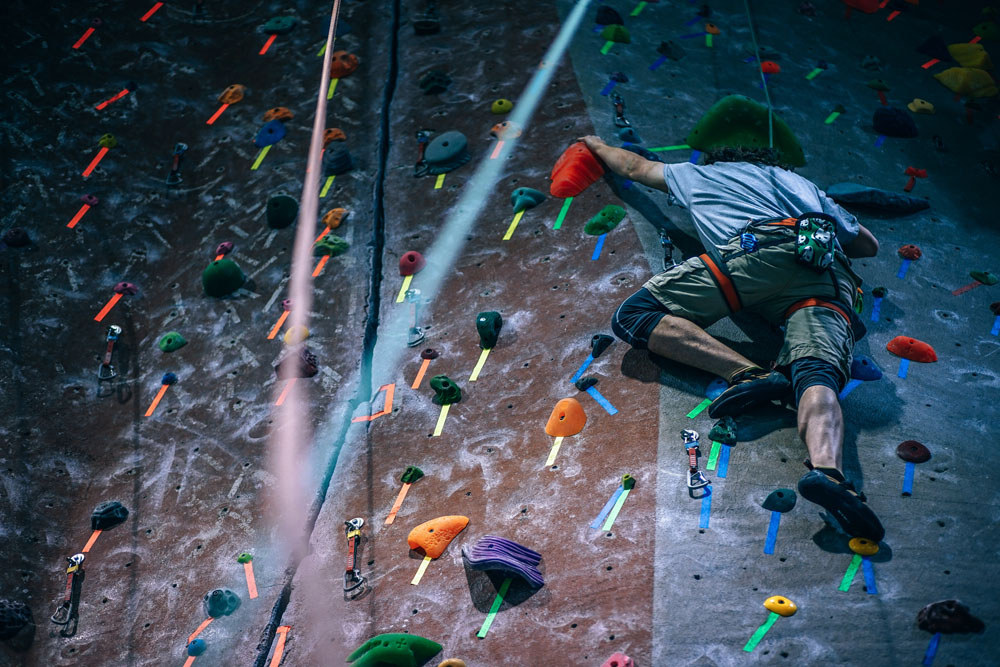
[{"x": 763, "y": 79}]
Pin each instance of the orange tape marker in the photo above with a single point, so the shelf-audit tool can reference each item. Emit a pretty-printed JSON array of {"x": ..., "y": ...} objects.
[
  {"x": 156, "y": 400},
  {"x": 279, "y": 648},
  {"x": 396, "y": 505},
  {"x": 90, "y": 542},
  {"x": 218, "y": 257},
  {"x": 267, "y": 45},
  {"x": 326, "y": 230},
  {"x": 390, "y": 390},
  {"x": 120, "y": 94},
  {"x": 84, "y": 38},
  {"x": 319, "y": 267},
  {"x": 284, "y": 392},
  {"x": 190, "y": 660},
  {"x": 215, "y": 116},
  {"x": 251, "y": 582},
  {"x": 892, "y": 15},
  {"x": 97, "y": 159},
  {"x": 79, "y": 215},
  {"x": 152, "y": 10},
  {"x": 201, "y": 628},
  {"x": 496, "y": 151},
  {"x": 107, "y": 307},
  {"x": 277, "y": 325},
  {"x": 420, "y": 374},
  {"x": 975, "y": 40}
]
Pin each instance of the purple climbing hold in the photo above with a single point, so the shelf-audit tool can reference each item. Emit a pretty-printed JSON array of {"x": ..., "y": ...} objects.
[
  {"x": 90, "y": 200},
  {"x": 128, "y": 289},
  {"x": 16, "y": 237},
  {"x": 429, "y": 353},
  {"x": 497, "y": 553},
  {"x": 224, "y": 248},
  {"x": 286, "y": 304},
  {"x": 948, "y": 617}
]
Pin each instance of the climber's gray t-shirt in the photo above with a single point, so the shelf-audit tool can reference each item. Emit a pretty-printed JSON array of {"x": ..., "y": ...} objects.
[{"x": 723, "y": 197}]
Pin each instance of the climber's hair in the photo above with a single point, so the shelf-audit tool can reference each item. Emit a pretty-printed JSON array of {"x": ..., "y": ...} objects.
[{"x": 760, "y": 156}]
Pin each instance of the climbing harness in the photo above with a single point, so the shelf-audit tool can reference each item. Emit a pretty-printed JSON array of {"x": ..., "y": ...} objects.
[
  {"x": 423, "y": 138},
  {"x": 69, "y": 611},
  {"x": 353, "y": 581},
  {"x": 668, "y": 251},
  {"x": 814, "y": 243},
  {"x": 416, "y": 334},
  {"x": 106, "y": 372},
  {"x": 174, "y": 177},
  {"x": 619, "y": 104},
  {"x": 696, "y": 479}
]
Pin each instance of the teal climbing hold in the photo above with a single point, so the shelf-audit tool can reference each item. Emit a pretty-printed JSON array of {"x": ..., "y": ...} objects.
[
  {"x": 488, "y": 324},
  {"x": 395, "y": 649},
  {"x": 280, "y": 25},
  {"x": 330, "y": 245},
  {"x": 524, "y": 198},
  {"x": 605, "y": 220},
  {"x": 282, "y": 210},
  {"x": 985, "y": 277},
  {"x": 724, "y": 431},
  {"x": 222, "y": 277},
  {"x": 446, "y": 391},
  {"x": 780, "y": 500},
  {"x": 172, "y": 341},
  {"x": 738, "y": 121}
]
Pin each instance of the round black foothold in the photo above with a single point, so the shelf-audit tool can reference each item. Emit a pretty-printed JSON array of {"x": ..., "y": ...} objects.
[
  {"x": 107, "y": 515},
  {"x": 583, "y": 384}
]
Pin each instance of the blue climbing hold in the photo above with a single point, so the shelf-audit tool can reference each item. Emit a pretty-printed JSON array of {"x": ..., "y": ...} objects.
[
  {"x": 197, "y": 647},
  {"x": 864, "y": 368},
  {"x": 272, "y": 132},
  {"x": 169, "y": 378}
]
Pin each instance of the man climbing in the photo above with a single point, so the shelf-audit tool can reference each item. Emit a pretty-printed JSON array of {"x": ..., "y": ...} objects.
[{"x": 761, "y": 259}]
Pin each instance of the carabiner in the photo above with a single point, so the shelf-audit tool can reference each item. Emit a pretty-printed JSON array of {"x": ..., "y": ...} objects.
[
  {"x": 106, "y": 371},
  {"x": 353, "y": 580}
]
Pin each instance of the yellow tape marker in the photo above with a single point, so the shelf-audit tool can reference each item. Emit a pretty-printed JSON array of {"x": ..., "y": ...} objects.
[
  {"x": 439, "y": 182},
  {"x": 441, "y": 419},
  {"x": 479, "y": 365},
  {"x": 513, "y": 225},
  {"x": 326, "y": 186},
  {"x": 556, "y": 444},
  {"x": 260, "y": 157},
  {"x": 402, "y": 290},
  {"x": 333, "y": 87},
  {"x": 423, "y": 568}
]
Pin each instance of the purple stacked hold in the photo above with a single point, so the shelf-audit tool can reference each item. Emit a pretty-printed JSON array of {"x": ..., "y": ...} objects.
[{"x": 496, "y": 553}]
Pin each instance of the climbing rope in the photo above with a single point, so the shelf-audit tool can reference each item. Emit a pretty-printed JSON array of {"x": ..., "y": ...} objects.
[{"x": 763, "y": 79}]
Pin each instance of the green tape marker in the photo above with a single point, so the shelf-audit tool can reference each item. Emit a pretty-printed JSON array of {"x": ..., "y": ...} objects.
[
  {"x": 678, "y": 147},
  {"x": 708, "y": 40},
  {"x": 761, "y": 631},
  {"x": 494, "y": 609},
  {"x": 607, "y": 47},
  {"x": 260, "y": 157},
  {"x": 699, "y": 408},
  {"x": 321, "y": 51},
  {"x": 326, "y": 186},
  {"x": 713, "y": 456},
  {"x": 562, "y": 213},
  {"x": 638, "y": 8},
  {"x": 615, "y": 510},
  {"x": 852, "y": 569},
  {"x": 813, "y": 74}
]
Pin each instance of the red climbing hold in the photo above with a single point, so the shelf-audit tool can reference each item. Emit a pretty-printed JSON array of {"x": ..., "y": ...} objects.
[
  {"x": 912, "y": 349},
  {"x": 770, "y": 67},
  {"x": 912, "y": 451},
  {"x": 867, "y": 6},
  {"x": 411, "y": 262},
  {"x": 909, "y": 251},
  {"x": 914, "y": 174},
  {"x": 575, "y": 170}
]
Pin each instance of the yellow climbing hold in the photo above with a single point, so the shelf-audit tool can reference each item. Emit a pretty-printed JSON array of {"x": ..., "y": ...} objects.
[
  {"x": 967, "y": 81},
  {"x": 970, "y": 55},
  {"x": 920, "y": 106},
  {"x": 863, "y": 547},
  {"x": 296, "y": 335},
  {"x": 780, "y": 605}
]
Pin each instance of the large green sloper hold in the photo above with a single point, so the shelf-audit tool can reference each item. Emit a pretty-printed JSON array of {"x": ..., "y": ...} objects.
[
  {"x": 446, "y": 391},
  {"x": 222, "y": 277},
  {"x": 330, "y": 245},
  {"x": 605, "y": 220},
  {"x": 172, "y": 341},
  {"x": 396, "y": 649},
  {"x": 736, "y": 120}
]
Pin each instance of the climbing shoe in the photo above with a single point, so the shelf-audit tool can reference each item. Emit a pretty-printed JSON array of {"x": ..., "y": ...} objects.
[
  {"x": 748, "y": 390},
  {"x": 840, "y": 499}
]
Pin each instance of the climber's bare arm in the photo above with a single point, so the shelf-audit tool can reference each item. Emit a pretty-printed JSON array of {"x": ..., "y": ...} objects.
[{"x": 627, "y": 164}]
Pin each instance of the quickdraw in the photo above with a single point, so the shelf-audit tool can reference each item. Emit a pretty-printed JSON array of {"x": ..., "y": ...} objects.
[
  {"x": 619, "y": 104},
  {"x": 423, "y": 138},
  {"x": 106, "y": 371},
  {"x": 68, "y": 613},
  {"x": 174, "y": 177},
  {"x": 353, "y": 580},
  {"x": 695, "y": 478}
]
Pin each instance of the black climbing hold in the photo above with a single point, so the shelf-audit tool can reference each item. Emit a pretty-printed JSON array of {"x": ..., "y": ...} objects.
[
  {"x": 221, "y": 602},
  {"x": 619, "y": 77},
  {"x": 671, "y": 50},
  {"x": 608, "y": 16},
  {"x": 724, "y": 431},
  {"x": 16, "y": 237},
  {"x": 488, "y": 324},
  {"x": 434, "y": 82},
  {"x": 894, "y": 122},
  {"x": 429, "y": 353},
  {"x": 107, "y": 515},
  {"x": 583, "y": 384},
  {"x": 935, "y": 47},
  {"x": 879, "y": 292},
  {"x": 428, "y": 22},
  {"x": 995, "y": 307},
  {"x": 780, "y": 500},
  {"x": 282, "y": 210},
  {"x": 297, "y": 365},
  {"x": 17, "y": 624},
  {"x": 948, "y": 617},
  {"x": 599, "y": 343},
  {"x": 412, "y": 474},
  {"x": 886, "y": 201},
  {"x": 337, "y": 161},
  {"x": 446, "y": 392},
  {"x": 705, "y": 11}
]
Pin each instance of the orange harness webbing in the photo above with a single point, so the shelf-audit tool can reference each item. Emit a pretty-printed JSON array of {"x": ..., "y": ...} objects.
[
  {"x": 724, "y": 283},
  {"x": 810, "y": 303}
]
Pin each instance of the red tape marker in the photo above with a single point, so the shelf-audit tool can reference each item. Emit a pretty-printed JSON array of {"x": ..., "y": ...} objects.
[
  {"x": 86, "y": 35},
  {"x": 107, "y": 307},
  {"x": 215, "y": 116},
  {"x": 78, "y": 216},
  {"x": 120, "y": 94},
  {"x": 93, "y": 163},
  {"x": 267, "y": 45},
  {"x": 152, "y": 10}
]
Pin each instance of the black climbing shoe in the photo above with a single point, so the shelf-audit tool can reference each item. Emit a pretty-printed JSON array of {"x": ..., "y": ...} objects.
[
  {"x": 748, "y": 390},
  {"x": 845, "y": 504}
]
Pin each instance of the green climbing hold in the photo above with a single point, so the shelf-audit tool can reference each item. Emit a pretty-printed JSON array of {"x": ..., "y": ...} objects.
[
  {"x": 616, "y": 33},
  {"x": 395, "y": 649},
  {"x": 488, "y": 324},
  {"x": 985, "y": 277},
  {"x": 724, "y": 431},
  {"x": 525, "y": 198},
  {"x": 222, "y": 277},
  {"x": 446, "y": 392},
  {"x": 280, "y": 25},
  {"x": 330, "y": 245},
  {"x": 628, "y": 482},
  {"x": 412, "y": 474},
  {"x": 172, "y": 341},
  {"x": 502, "y": 106},
  {"x": 282, "y": 210},
  {"x": 606, "y": 220},
  {"x": 738, "y": 121},
  {"x": 780, "y": 500},
  {"x": 879, "y": 292},
  {"x": 987, "y": 30},
  {"x": 244, "y": 557}
]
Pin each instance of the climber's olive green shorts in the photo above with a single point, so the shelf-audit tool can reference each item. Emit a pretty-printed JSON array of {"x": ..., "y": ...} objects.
[{"x": 769, "y": 282}]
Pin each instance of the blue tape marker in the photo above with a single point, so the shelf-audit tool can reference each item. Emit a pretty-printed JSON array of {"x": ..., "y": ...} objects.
[
  {"x": 904, "y": 365},
  {"x": 598, "y": 28},
  {"x": 603, "y": 402},
  {"x": 692, "y": 35},
  {"x": 869, "y": 570},
  {"x": 902, "y": 269},
  {"x": 706, "y": 507},
  {"x": 908, "y": 479},
  {"x": 766, "y": 77},
  {"x": 996, "y": 326},
  {"x": 692, "y": 21},
  {"x": 694, "y": 157},
  {"x": 607, "y": 89},
  {"x": 772, "y": 532},
  {"x": 880, "y": 141},
  {"x": 849, "y": 387},
  {"x": 876, "y": 308},
  {"x": 597, "y": 248},
  {"x": 932, "y": 648},
  {"x": 607, "y": 508},
  {"x": 656, "y": 63},
  {"x": 750, "y": 59},
  {"x": 723, "y": 462},
  {"x": 583, "y": 367}
]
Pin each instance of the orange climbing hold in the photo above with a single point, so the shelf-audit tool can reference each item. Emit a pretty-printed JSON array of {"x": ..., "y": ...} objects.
[
  {"x": 342, "y": 64},
  {"x": 566, "y": 419},
  {"x": 912, "y": 349},
  {"x": 575, "y": 170},
  {"x": 712, "y": 29},
  {"x": 278, "y": 113},
  {"x": 435, "y": 535},
  {"x": 334, "y": 217},
  {"x": 332, "y": 134},
  {"x": 232, "y": 94}
]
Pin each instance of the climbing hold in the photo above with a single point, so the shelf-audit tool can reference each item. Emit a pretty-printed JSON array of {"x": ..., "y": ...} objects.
[
  {"x": 605, "y": 220},
  {"x": 968, "y": 82},
  {"x": 618, "y": 660},
  {"x": 909, "y": 251},
  {"x": 446, "y": 152},
  {"x": 196, "y": 647},
  {"x": 107, "y": 141},
  {"x": 427, "y": 22},
  {"x": 567, "y": 418},
  {"x": 221, "y": 602},
  {"x": 16, "y": 619},
  {"x": 334, "y": 217},
  {"x": 411, "y": 262},
  {"x": 616, "y": 33},
  {"x": 435, "y": 535},
  {"x": 920, "y": 106},
  {"x": 629, "y": 135},
  {"x": 770, "y": 67},
  {"x": 912, "y": 349},
  {"x": 297, "y": 365},
  {"x": 575, "y": 170},
  {"x": 332, "y": 134},
  {"x": 879, "y": 292},
  {"x": 628, "y": 482},
  {"x": 342, "y": 64},
  {"x": 935, "y": 47},
  {"x": 491, "y": 553},
  {"x": 912, "y": 451},
  {"x": 583, "y": 384},
  {"x": 452, "y": 662},
  {"x": 223, "y": 248},
  {"x": 337, "y": 161},
  {"x": 863, "y": 368},
  {"x": 280, "y": 25},
  {"x": 506, "y": 129},
  {"x": 107, "y": 515},
  {"x": 724, "y": 431},
  {"x": 16, "y": 237},
  {"x": 434, "y": 82},
  {"x": 502, "y": 106},
  {"x": 331, "y": 246},
  {"x": 867, "y": 6},
  {"x": 970, "y": 55},
  {"x": 446, "y": 391},
  {"x": 995, "y": 307},
  {"x": 987, "y": 30},
  {"x": 619, "y": 77},
  {"x": 278, "y": 113},
  {"x": 126, "y": 289},
  {"x": 671, "y": 50},
  {"x": 713, "y": 29},
  {"x": 884, "y": 201},
  {"x": 871, "y": 63},
  {"x": 172, "y": 341},
  {"x": 271, "y": 133},
  {"x": 488, "y": 324},
  {"x": 282, "y": 210},
  {"x": 169, "y": 378},
  {"x": 863, "y": 547},
  {"x": 894, "y": 122},
  {"x": 780, "y": 500},
  {"x": 781, "y": 606},
  {"x": 89, "y": 199},
  {"x": 608, "y": 16},
  {"x": 985, "y": 277},
  {"x": 599, "y": 343},
  {"x": 736, "y": 120},
  {"x": 232, "y": 94},
  {"x": 429, "y": 353},
  {"x": 948, "y": 617},
  {"x": 244, "y": 557},
  {"x": 411, "y": 474},
  {"x": 222, "y": 277},
  {"x": 394, "y": 648},
  {"x": 642, "y": 152},
  {"x": 524, "y": 198},
  {"x": 296, "y": 334}
]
